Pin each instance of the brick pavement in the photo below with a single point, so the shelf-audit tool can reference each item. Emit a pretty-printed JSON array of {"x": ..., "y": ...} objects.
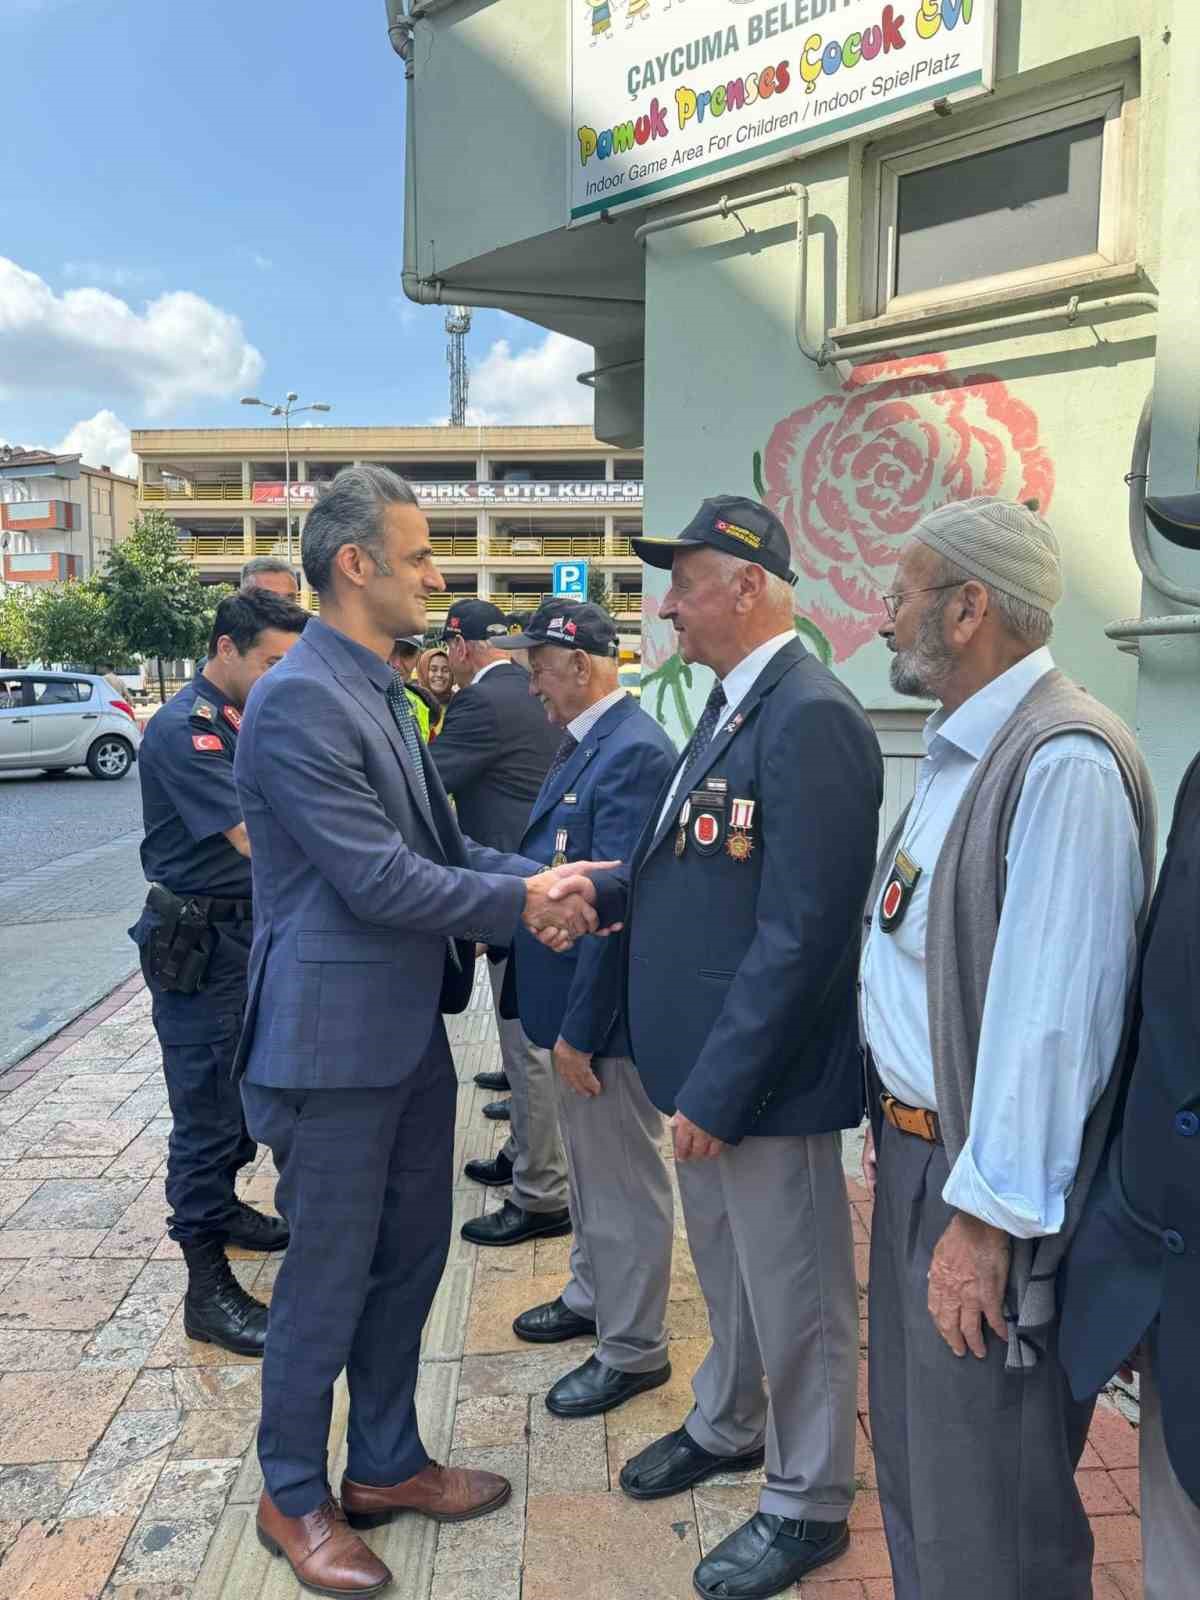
[{"x": 127, "y": 1467}]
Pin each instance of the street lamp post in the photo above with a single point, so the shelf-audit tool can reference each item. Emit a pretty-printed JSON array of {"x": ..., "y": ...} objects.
[{"x": 287, "y": 409}]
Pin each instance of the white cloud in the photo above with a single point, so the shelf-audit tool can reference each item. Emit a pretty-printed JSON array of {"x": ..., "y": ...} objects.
[
  {"x": 102, "y": 441},
  {"x": 535, "y": 385},
  {"x": 180, "y": 349},
  {"x": 263, "y": 263},
  {"x": 108, "y": 274}
]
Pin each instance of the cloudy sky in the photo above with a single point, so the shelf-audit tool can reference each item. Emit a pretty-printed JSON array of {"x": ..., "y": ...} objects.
[{"x": 206, "y": 199}]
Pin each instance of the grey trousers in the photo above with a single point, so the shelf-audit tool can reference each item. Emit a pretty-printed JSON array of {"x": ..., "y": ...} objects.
[
  {"x": 623, "y": 1212},
  {"x": 976, "y": 1464},
  {"x": 768, "y": 1222},
  {"x": 539, "y": 1180},
  {"x": 1170, "y": 1517}
]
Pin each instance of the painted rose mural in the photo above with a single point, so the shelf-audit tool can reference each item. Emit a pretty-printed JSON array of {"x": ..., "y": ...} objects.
[{"x": 850, "y": 475}]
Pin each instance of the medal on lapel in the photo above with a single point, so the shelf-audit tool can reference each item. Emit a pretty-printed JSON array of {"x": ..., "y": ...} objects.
[
  {"x": 681, "y": 836},
  {"x": 898, "y": 891},
  {"x": 560, "y": 849},
  {"x": 739, "y": 846}
]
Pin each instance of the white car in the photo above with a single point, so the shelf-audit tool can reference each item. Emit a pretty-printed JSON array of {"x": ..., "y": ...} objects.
[{"x": 56, "y": 720}]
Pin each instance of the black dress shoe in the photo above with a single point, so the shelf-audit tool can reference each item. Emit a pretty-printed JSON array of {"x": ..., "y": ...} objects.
[
  {"x": 593, "y": 1388},
  {"x": 253, "y": 1231},
  {"x": 551, "y": 1323},
  {"x": 767, "y": 1555},
  {"x": 216, "y": 1309},
  {"x": 498, "y": 1111},
  {"x": 511, "y": 1225},
  {"x": 493, "y": 1080},
  {"x": 494, "y": 1173},
  {"x": 675, "y": 1462}
]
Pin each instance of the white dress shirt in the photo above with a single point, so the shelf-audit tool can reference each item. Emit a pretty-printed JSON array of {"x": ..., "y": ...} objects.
[
  {"x": 1063, "y": 961},
  {"x": 580, "y": 726},
  {"x": 737, "y": 684}
]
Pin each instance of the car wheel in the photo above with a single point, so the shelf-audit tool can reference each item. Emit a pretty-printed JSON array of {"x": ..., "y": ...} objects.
[{"x": 110, "y": 757}]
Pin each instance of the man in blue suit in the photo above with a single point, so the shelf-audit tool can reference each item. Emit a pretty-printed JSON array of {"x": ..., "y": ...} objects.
[
  {"x": 743, "y": 904},
  {"x": 368, "y": 902},
  {"x": 611, "y": 765}
]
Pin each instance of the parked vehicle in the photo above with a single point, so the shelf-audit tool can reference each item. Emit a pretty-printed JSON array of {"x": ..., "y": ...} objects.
[{"x": 56, "y": 720}]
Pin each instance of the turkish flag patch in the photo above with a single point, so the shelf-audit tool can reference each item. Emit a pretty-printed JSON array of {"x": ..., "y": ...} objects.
[
  {"x": 233, "y": 717},
  {"x": 206, "y": 741}
]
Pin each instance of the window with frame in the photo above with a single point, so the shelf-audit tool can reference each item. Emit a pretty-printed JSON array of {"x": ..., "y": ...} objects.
[{"x": 1042, "y": 190}]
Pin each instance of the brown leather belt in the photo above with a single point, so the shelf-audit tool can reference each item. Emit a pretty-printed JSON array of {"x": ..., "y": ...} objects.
[{"x": 911, "y": 1119}]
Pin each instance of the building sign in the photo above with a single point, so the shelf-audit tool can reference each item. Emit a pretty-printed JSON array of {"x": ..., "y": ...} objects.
[
  {"x": 570, "y": 580},
  {"x": 602, "y": 492},
  {"x": 667, "y": 95}
]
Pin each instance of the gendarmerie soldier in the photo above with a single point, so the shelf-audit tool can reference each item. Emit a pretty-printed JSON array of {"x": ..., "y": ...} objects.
[{"x": 194, "y": 938}]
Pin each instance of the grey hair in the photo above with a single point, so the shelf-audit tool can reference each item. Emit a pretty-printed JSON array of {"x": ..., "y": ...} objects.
[
  {"x": 778, "y": 590},
  {"x": 350, "y": 511},
  {"x": 1029, "y": 624},
  {"x": 259, "y": 564}
]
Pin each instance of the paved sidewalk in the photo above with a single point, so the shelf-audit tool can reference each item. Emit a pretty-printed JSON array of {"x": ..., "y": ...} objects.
[{"x": 126, "y": 1453}]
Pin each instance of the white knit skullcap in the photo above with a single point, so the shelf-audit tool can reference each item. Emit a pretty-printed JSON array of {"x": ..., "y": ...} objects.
[{"x": 1001, "y": 543}]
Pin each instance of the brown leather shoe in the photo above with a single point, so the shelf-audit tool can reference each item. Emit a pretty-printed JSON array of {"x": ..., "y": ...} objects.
[
  {"x": 325, "y": 1556},
  {"x": 446, "y": 1494}
]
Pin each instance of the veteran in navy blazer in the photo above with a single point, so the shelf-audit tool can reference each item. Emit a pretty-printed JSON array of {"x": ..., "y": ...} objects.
[
  {"x": 742, "y": 906},
  {"x": 368, "y": 903},
  {"x": 611, "y": 766}
]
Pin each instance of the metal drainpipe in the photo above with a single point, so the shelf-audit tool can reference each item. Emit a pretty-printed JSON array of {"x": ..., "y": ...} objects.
[{"x": 725, "y": 207}]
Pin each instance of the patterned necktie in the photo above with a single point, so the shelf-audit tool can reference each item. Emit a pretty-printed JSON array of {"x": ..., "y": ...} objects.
[
  {"x": 406, "y": 723},
  {"x": 562, "y": 755},
  {"x": 706, "y": 727}
]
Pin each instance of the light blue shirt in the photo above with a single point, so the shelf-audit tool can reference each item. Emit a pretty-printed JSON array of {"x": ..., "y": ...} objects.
[
  {"x": 1063, "y": 961},
  {"x": 579, "y": 727}
]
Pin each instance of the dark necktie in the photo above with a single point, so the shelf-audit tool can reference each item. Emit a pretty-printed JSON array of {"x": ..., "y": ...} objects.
[
  {"x": 562, "y": 755},
  {"x": 406, "y": 724},
  {"x": 706, "y": 727}
]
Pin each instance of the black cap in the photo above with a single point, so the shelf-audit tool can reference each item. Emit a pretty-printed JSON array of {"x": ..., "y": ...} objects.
[
  {"x": 573, "y": 624},
  {"x": 729, "y": 522},
  {"x": 409, "y": 641},
  {"x": 515, "y": 621},
  {"x": 475, "y": 620}
]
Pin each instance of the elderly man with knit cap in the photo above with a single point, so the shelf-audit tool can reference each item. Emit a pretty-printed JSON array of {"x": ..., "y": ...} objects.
[{"x": 1000, "y": 948}]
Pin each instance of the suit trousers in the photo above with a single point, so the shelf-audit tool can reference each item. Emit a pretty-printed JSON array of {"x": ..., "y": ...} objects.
[
  {"x": 976, "y": 1464},
  {"x": 539, "y": 1180},
  {"x": 1170, "y": 1517},
  {"x": 623, "y": 1216},
  {"x": 768, "y": 1222},
  {"x": 364, "y": 1183}
]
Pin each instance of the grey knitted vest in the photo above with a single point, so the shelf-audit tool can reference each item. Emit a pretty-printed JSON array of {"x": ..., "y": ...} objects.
[{"x": 966, "y": 896}]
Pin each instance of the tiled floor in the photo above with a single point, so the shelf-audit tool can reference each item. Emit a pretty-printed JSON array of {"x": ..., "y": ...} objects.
[{"x": 126, "y": 1453}]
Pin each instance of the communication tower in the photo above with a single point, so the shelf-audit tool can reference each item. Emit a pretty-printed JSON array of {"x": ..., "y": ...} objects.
[{"x": 458, "y": 325}]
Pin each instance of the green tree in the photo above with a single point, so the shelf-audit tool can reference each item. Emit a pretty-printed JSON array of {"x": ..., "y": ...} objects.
[
  {"x": 597, "y": 589},
  {"x": 157, "y": 606},
  {"x": 69, "y": 622},
  {"x": 14, "y": 624}
]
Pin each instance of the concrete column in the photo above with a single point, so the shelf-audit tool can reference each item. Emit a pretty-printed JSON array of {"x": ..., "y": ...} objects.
[
  {"x": 1169, "y": 668},
  {"x": 247, "y": 532}
]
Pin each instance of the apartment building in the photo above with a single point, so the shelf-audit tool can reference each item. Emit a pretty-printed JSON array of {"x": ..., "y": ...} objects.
[
  {"x": 59, "y": 519},
  {"x": 504, "y": 504}
]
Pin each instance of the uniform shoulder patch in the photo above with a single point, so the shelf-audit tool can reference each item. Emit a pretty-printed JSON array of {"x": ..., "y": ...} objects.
[
  {"x": 206, "y": 741},
  {"x": 202, "y": 712},
  {"x": 233, "y": 717}
]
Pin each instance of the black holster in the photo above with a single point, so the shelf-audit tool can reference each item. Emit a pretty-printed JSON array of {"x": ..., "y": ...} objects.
[{"x": 181, "y": 947}]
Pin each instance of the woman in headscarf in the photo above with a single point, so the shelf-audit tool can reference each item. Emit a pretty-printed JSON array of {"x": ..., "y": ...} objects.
[{"x": 433, "y": 674}]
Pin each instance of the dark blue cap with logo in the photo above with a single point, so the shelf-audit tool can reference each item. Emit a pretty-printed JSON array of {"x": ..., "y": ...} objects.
[
  {"x": 733, "y": 523},
  {"x": 475, "y": 620},
  {"x": 571, "y": 624}
]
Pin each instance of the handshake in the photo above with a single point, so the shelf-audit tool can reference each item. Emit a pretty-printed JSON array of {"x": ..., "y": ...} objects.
[{"x": 560, "y": 904}]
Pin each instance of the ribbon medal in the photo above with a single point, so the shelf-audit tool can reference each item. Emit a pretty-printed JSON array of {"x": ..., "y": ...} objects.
[
  {"x": 898, "y": 891},
  {"x": 739, "y": 846},
  {"x": 560, "y": 849}
]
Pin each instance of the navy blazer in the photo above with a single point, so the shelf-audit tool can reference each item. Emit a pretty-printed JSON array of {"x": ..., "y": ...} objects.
[
  {"x": 493, "y": 751},
  {"x": 598, "y": 802},
  {"x": 1136, "y": 1253},
  {"x": 741, "y": 973},
  {"x": 359, "y": 881}
]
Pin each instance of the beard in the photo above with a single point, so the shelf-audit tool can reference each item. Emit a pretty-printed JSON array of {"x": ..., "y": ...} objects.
[{"x": 924, "y": 670}]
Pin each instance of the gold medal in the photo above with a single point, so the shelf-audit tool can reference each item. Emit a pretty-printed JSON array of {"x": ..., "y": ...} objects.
[
  {"x": 739, "y": 845},
  {"x": 681, "y": 842},
  {"x": 560, "y": 849}
]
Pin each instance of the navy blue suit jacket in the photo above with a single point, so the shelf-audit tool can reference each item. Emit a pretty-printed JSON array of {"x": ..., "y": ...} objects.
[
  {"x": 1136, "y": 1253},
  {"x": 600, "y": 800},
  {"x": 358, "y": 880},
  {"x": 741, "y": 974}
]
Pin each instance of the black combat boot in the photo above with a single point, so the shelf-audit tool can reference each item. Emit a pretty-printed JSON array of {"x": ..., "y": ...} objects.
[
  {"x": 253, "y": 1230},
  {"x": 217, "y": 1310}
]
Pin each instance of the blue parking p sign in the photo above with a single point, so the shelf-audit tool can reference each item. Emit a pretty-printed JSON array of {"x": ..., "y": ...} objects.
[{"x": 570, "y": 580}]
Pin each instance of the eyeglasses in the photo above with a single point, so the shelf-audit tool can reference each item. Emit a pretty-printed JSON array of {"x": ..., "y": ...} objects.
[{"x": 893, "y": 602}]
